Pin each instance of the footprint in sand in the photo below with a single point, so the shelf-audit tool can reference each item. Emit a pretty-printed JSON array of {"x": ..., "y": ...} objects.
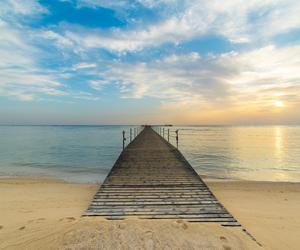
[
  {"x": 23, "y": 210},
  {"x": 22, "y": 228},
  {"x": 184, "y": 226},
  {"x": 149, "y": 243},
  {"x": 223, "y": 238},
  {"x": 1, "y": 227},
  {"x": 179, "y": 221},
  {"x": 167, "y": 247},
  {"x": 69, "y": 219},
  {"x": 36, "y": 220}
]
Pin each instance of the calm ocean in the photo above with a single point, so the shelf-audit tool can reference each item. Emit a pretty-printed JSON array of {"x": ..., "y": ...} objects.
[{"x": 86, "y": 153}]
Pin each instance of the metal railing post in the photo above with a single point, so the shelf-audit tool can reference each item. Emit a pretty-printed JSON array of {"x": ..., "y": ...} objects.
[
  {"x": 124, "y": 139},
  {"x": 176, "y": 138},
  {"x": 130, "y": 134},
  {"x": 163, "y": 132},
  {"x": 168, "y": 135}
]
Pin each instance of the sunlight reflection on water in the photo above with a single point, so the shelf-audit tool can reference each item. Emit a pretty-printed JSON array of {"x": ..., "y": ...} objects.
[{"x": 265, "y": 153}]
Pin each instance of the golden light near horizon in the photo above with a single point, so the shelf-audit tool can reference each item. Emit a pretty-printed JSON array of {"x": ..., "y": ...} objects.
[{"x": 278, "y": 104}]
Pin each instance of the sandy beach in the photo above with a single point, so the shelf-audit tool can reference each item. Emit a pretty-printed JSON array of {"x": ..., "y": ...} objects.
[{"x": 46, "y": 214}]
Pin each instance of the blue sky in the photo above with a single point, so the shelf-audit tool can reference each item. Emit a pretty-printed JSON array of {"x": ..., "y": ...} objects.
[{"x": 146, "y": 61}]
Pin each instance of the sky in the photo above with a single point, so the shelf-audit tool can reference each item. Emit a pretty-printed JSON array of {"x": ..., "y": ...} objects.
[{"x": 150, "y": 61}]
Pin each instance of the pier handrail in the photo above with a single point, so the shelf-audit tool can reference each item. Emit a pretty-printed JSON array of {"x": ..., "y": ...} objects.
[
  {"x": 132, "y": 135},
  {"x": 160, "y": 130}
]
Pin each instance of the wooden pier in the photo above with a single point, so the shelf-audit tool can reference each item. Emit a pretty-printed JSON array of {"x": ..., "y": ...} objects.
[{"x": 152, "y": 180}]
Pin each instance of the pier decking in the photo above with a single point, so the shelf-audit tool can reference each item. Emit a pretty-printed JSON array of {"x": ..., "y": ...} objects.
[{"x": 152, "y": 180}]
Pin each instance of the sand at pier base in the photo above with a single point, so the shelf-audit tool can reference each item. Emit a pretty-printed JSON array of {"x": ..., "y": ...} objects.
[
  {"x": 45, "y": 214},
  {"x": 269, "y": 210}
]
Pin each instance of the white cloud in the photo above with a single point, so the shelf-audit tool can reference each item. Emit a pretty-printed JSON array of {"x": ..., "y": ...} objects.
[
  {"x": 172, "y": 30},
  {"x": 192, "y": 57},
  {"x": 60, "y": 41},
  {"x": 20, "y": 75},
  {"x": 99, "y": 84},
  {"x": 237, "y": 20},
  {"x": 85, "y": 96},
  {"x": 233, "y": 78},
  {"x": 127, "y": 4},
  {"x": 80, "y": 66},
  {"x": 16, "y": 9},
  {"x": 103, "y": 3}
]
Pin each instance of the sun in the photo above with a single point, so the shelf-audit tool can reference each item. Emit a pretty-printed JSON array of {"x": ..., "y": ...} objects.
[{"x": 278, "y": 104}]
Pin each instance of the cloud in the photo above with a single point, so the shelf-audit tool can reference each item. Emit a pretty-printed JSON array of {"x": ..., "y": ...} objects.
[
  {"x": 80, "y": 66},
  {"x": 257, "y": 78},
  {"x": 237, "y": 21},
  {"x": 187, "y": 79},
  {"x": 17, "y": 10},
  {"x": 129, "y": 4},
  {"x": 60, "y": 41},
  {"x": 103, "y": 3},
  {"x": 20, "y": 75},
  {"x": 117, "y": 40},
  {"x": 99, "y": 84}
]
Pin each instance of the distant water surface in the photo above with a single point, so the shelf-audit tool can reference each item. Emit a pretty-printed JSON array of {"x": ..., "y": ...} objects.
[
  {"x": 86, "y": 153},
  {"x": 261, "y": 153},
  {"x": 76, "y": 153}
]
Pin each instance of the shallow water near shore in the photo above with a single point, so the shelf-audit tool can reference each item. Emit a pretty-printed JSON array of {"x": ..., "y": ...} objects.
[{"x": 86, "y": 153}]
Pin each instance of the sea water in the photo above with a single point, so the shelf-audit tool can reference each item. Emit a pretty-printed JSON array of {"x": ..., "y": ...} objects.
[{"x": 87, "y": 153}]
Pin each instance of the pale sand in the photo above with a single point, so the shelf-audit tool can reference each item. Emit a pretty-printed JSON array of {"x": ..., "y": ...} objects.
[
  {"x": 45, "y": 214},
  {"x": 269, "y": 211}
]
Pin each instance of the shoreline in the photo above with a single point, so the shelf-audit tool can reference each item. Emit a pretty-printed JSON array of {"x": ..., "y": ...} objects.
[
  {"x": 46, "y": 212},
  {"x": 204, "y": 178}
]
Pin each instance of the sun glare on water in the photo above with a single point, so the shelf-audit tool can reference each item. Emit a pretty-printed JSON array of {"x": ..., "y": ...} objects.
[{"x": 278, "y": 104}]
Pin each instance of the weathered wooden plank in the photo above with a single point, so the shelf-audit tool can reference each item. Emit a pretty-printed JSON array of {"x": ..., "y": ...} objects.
[
  {"x": 155, "y": 186},
  {"x": 191, "y": 216},
  {"x": 152, "y": 180},
  {"x": 146, "y": 194},
  {"x": 153, "y": 200},
  {"x": 159, "y": 210},
  {"x": 158, "y": 189},
  {"x": 121, "y": 198},
  {"x": 154, "y": 206},
  {"x": 142, "y": 202},
  {"x": 193, "y": 219}
]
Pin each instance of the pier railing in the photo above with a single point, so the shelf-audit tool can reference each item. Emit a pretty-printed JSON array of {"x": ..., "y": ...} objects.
[
  {"x": 178, "y": 136},
  {"x": 168, "y": 133},
  {"x": 129, "y": 134}
]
